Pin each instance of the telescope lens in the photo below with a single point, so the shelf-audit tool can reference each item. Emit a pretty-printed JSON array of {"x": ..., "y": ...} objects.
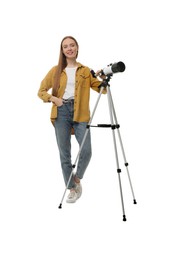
[{"x": 118, "y": 67}]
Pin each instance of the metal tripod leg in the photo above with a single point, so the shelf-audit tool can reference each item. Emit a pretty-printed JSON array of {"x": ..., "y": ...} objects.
[
  {"x": 114, "y": 125},
  {"x": 121, "y": 144},
  {"x": 81, "y": 146},
  {"x": 115, "y": 148}
]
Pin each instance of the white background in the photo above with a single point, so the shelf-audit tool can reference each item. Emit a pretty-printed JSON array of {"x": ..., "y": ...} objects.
[{"x": 139, "y": 33}]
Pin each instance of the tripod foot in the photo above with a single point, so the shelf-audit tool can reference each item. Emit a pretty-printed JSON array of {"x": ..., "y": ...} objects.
[
  {"x": 124, "y": 218},
  {"x": 60, "y": 206},
  {"x": 135, "y": 202}
]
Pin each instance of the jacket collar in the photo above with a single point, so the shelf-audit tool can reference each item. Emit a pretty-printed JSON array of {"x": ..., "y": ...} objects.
[{"x": 79, "y": 66}]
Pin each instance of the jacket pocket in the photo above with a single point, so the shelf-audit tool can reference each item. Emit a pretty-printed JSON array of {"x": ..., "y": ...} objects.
[{"x": 84, "y": 80}]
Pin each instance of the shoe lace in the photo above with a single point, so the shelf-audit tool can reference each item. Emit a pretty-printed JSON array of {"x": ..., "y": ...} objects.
[{"x": 72, "y": 194}]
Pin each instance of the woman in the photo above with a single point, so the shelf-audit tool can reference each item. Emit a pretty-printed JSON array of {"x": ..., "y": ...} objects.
[{"x": 70, "y": 82}]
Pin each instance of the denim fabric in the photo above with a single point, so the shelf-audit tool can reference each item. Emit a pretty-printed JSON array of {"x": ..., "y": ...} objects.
[{"x": 63, "y": 125}]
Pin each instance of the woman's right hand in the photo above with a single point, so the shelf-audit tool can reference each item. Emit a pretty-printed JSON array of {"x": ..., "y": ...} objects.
[{"x": 57, "y": 101}]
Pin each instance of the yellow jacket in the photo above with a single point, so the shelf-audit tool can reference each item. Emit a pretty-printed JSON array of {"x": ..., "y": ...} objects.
[{"x": 83, "y": 82}]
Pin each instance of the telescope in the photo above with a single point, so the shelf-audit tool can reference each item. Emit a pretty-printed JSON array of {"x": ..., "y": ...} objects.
[{"x": 113, "y": 68}]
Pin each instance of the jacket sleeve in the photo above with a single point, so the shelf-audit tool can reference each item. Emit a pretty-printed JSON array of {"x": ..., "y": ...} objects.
[
  {"x": 95, "y": 83},
  {"x": 46, "y": 84}
]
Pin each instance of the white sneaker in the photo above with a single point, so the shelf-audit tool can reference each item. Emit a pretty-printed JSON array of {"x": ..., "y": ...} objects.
[
  {"x": 78, "y": 189},
  {"x": 72, "y": 197}
]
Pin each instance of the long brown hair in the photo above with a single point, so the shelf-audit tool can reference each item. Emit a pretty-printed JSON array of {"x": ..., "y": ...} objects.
[{"x": 62, "y": 63}]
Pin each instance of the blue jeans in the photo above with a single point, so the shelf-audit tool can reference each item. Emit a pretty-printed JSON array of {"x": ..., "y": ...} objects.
[{"x": 63, "y": 125}]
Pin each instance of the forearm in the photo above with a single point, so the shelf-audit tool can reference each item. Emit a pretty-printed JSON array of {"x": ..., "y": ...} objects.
[
  {"x": 43, "y": 91},
  {"x": 46, "y": 85}
]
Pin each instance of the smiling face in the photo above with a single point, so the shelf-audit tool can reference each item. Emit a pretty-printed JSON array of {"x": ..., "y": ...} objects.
[{"x": 70, "y": 48}]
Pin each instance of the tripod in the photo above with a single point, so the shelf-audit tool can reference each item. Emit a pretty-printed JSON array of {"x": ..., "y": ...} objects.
[{"x": 114, "y": 125}]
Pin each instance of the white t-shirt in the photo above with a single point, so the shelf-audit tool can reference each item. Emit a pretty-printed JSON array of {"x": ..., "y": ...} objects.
[{"x": 70, "y": 87}]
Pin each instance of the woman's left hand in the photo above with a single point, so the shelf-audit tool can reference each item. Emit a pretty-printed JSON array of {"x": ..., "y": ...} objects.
[{"x": 99, "y": 74}]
